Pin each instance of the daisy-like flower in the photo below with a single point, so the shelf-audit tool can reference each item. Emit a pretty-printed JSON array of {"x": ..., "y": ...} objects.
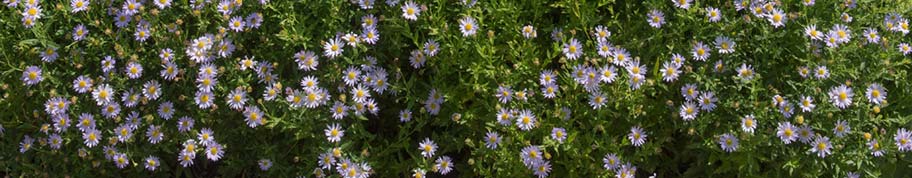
[
  {"x": 204, "y": 99},
  {"x": 786, "y": 109},
  {"x": 689, "y": 111},
  {"x": 841, "y": 96},
  {"x": 154, "y": 134},
  {"x": 339, "y": 110},
  {"x": 728, "y": 142},
  {"x": 49, "y": 55},
  {"x": 307, "y": 60},
  {"x": 134, "y": 70},
  {"x": 431, "y": 48},
  {"x": 547, "y": 77},
  {"x": 683, "y": 4},
  {"x": 236, "y": 24},
  {"x": 107, "y": 65},
  {"x": 170, "y": 71},
  {"x": 142, "y": 32},
  {"x": 152, "y": 163},
  {"x": 637, "y": 136},
  {"x": 777, "y": 18},
  {"x": 905, "y": 49},
  {"x": 807, "y": 104},
  {"x": 492, "y": 140},
  {"x": 103, "y": 94},
  {"x": 444, "y": 165},
  {"x": 832, "y": 40},
  {"x": 86, "y": 122},
  {"x": 605, "y": 49},
  {"x": 573, "y": 50},
  {"x": 32, "y": 12},
  {"x": 333, "y": 48},
  {"x": 131, "y": 7},
  {"x": 621, "y": 57},
  {"x": 748, "y": 123},
  {"x": 82, "y": 84},
  {"x": 636, "y": 81},
  {"x": 427, "y": 147},
  {"x": 184, "y": 124},
  {"x": 655, "y": 18},
  {"x": 467, "y": 26},
  {"x": 713, "y": 14},
  {"x": 32, "y": 75},
  {"x": 670, "y": 71},
  {"x": 152, "y": 90},
  {"x": 843, "y": 33},
  {"x": 410, "y": 11},
  {"x": 186, "y": 158},
  {"x": 370, "y": 35},
  {"x": 542, "y": 168},
  {"x": 690, "y": 92},
  {"x": 872, "y": 36},
  {"x": 55, "y": 141},
  {"x": 746, "y": 72},
  {"x": 254, "y": 116},
  {"x": 876, "y": 94},
  {"x": 351, "y": 76},
  {"x": 529, "y": 32},
  {"x": 26, "y": 143},
  {"x": 559, "y": 134},
  {"x": 822, "y": 72},
  {"x": 214, "y": 151},
  {"x": 601, "y": 33},
  {"x": 206, "y": 137},
  {"x": 903, "y": 140},
  {"x": 162, "y": 4},
  {"x": 121, "y": 160},
  {"x": 530, "y": 155},
  {"x": 876, "y": 149},
  {"x": 811, "y": 32},
  {"x": 91, "y": 137},
  {"x": 804, "y": 71},
  {"x": 504, "y": 94},
  {"x": 130, "y": 98},
  {"x": 549, "y": 90},
  {"x": 787, "y": 132},
  {"x": 504, "y": 116},
  {"x": 417, "y": 59},
  {"x": 111, "y": 110},
  {"x": 611, "y": 161},
  {"x": 708, "y": 101},
  {"x": 78, "y": 5},
  {"x": 79, "y": 32},
  {"x": 597, "y": 100},
  {"x": 842, "y": 128},
  {"x": 808, "y": 2},
  {"x": 360, "y": 94},
  {"x": 700, "y": 51},
  {"x": 334, "y": 133},
  {"x": 526, "y": 120},
  {"x": 822, "y": 146},
  {"x": 237, "y": 98},
  {"x": 124, "y": 132},
  {"x": 725, "y": 44},
  {"x": 608, "y": 74},
  {"x": 351, "y": 39}
]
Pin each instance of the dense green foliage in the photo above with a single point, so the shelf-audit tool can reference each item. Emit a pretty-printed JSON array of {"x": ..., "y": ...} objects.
[{"x": 454, "y": 98}]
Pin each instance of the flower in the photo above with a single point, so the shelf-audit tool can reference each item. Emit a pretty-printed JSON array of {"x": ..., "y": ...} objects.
[
  {"x": 842, "y": 128},
  {"x": 728, "y": 142},
  {"x": 468, "y": 27},
  {"x": 822, "y": 146},
  {"x": 872, "y": 36},
  {"x": 601, "y": 34},
  {"x": 121, "y": 160},
  {"x": 32, "y": 75},
  {"x": 822, "y": 72},
  {"x": 876, "y": 94},
  {"x": 777, "y": 18},
  {"x": 637, "y": 136},
  {"x": 103, "y": 94},
  {"x": 876, "y": 150},
  {"x": 700, "y": 52},
  {"x": 529, "y": 32},
  {"x": 530, "y": 155},
  {"x": 152, "y": 90},
  {"x": 186, "y": 158},
  {"x": 620, "y": 57},
  {"x": 708, "y": 101},
  {"x": 683, "y": 4},
  {"x": 236, "y": 24},
  {"x": 79, "y": 5},
  {"x": 254, "y": 116},
  {"x": 713, "y": 14},
  {"x": 203, "y": 99},
  {"x": 410, "y": 11},
  {"x": 206, "y": 137},
  {"x": 427, "y": 148},
  {"x": 559, "y": 134},
  {"x": 184, "y": 124},
  {"x": 162, "y": 4},
  {"x": 526, "y": 120},
  {"x": 492, "y": 140},
  {"x": 444, "y": 165},
  {"x": 905, "y": 48},
  {"x": 689, "y": 111},
  {"x": 154, "y": 134},
  {"x": 237, "y": 98},
  {"x": 542, "y": 168},
  {"x": 134, "y": 70},
  {"x": 307, "y": 60},
  {"x": 573, "y": 50},
  {"x": 843, "y": 33},
  {"x": 903, "y": 140},
  {"x": 725, "y": 44},
  {"x": 841, "y": 96},
  {"x": 748, "y": 123},
  {"x": 745, "y": 72},
  {"x": 786, "y": 132},
  {"x": 807, "y": 104},
  {"x": 334, "y": 133},
  {"x": 656, "y": 18},
  {"x": 79, "y": 32},
  {"x": 611, "y": 161},
  {"x": 689, "y": 91},
  {"x": 670, "y": 71},
  {"x": 152, "y": 163},
  {"x": 333, "y": 48},
  {"x": 214, "y": 151},
  {"x": 812, "y": 32}
]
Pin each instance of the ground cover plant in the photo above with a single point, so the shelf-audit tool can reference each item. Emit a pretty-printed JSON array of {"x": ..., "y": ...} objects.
[{"x": 455, "y": 88}]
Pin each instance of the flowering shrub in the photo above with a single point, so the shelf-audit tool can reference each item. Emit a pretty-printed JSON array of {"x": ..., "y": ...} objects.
[{"x": 441, "y": 88}]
